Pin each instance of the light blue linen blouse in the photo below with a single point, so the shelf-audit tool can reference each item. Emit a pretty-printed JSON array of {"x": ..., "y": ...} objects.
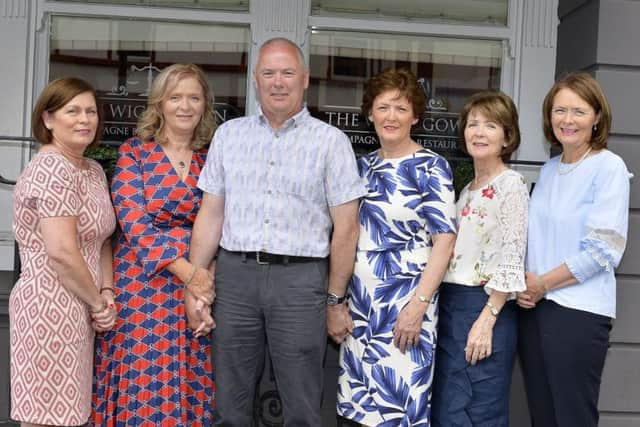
[{"x": 580, "y": 217}]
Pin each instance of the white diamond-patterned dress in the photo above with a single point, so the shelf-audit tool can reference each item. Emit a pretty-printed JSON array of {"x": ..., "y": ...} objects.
[{"x": 50, "y": 328}]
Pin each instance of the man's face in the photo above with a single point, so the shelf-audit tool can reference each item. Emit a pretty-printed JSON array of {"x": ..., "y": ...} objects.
[{"x": 281, "y": 80}]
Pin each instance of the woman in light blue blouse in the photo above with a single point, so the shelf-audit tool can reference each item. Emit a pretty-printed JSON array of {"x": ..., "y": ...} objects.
[{"x": 578, "y": 219}]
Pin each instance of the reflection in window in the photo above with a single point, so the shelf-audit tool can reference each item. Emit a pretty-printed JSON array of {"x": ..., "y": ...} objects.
[
  {"x": 121, "y": 58},
  {"x": 489, "y": 12},
  {"x": 449, "y": 70},
  {"x": 224, "y": 5}
]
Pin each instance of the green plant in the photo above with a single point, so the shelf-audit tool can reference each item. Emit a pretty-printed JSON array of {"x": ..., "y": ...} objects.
[{"x": 106, "y": 155}]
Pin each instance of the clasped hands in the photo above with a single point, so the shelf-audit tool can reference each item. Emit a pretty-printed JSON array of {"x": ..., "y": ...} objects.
[
  {"x": 199, "y": 296},
  {"x": 104, "y": 318},
  {"x": 534, "y": 293}
]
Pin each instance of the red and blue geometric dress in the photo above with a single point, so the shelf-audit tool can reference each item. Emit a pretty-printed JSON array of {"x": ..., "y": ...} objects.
[{"x": 150, "y": 369}]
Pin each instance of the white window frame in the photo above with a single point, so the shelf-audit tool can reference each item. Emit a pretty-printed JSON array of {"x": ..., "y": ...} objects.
[{"x": 528, "y": 67}]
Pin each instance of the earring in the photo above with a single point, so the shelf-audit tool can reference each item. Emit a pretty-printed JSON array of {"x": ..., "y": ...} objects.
[
  {"x": 505, "y": 145},
  {"x": 595, "y": 127}
]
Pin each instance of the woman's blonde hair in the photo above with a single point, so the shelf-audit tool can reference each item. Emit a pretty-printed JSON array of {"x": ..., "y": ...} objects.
[{"x": 151, "y": 124}]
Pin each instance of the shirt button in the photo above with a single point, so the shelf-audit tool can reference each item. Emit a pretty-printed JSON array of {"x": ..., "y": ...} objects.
[
  {"x": 269, "y": 192},
  {"x": 266, "y": 221},
  {"x": 272, "y": 163}
]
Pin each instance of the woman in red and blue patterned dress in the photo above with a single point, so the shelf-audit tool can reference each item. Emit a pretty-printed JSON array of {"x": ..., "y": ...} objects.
[{"x": 153, "y": 368}]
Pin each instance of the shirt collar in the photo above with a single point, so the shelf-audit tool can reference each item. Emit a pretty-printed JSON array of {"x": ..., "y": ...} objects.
[{"x": 296, "y": 120}]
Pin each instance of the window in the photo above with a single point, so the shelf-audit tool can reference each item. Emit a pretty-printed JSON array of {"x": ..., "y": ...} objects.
[
  {"x": 227, "y": 5},
  {"x": 121, "y": 58},
  {"x": 476, "y": 12},
  {"x": 448, "y": 69}
]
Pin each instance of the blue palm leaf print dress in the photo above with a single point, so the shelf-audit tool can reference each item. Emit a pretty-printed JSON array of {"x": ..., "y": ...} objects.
[{"x": 409, "y": 199}]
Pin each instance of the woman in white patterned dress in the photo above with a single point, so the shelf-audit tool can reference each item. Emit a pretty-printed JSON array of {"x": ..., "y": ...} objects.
[
  {"x": 477, "y": 333},
  {"x": 63, "y": 220},
  {"x": 407, "y": 230}
]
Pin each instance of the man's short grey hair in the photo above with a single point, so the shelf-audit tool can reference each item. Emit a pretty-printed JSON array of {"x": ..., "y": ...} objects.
[{"x": 284, "y": 40}]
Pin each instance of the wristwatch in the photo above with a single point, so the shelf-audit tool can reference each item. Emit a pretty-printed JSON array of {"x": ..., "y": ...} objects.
[
  {"x": 333, "y": 299},
  {"x": 493, "y": 309}
]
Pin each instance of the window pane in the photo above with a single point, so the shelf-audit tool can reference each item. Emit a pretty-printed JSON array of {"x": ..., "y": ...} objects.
[
  {"x": 226, "y": 5},
  {"x": 490, "y": 12},
  {"x": 121, "y": 58},
  {"x": 449, "y": 70}
]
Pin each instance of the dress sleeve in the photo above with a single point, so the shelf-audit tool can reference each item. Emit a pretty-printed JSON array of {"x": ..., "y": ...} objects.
[
  {"x": 605, "y": 238},
  {"x": 512, "y": 226},
  {"x": 58, "y": 196},
  {"x": 154, "y": 247},
  {"x": 439, "y": 208}
]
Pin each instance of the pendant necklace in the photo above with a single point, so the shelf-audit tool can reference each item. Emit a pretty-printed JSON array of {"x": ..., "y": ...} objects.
[
  {"x": 564, "y": 171},
  {"x": 181, "y": 165}
]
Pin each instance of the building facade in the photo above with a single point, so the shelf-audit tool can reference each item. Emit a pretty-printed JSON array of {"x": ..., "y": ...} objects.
[{"x": 455, "y": 47}]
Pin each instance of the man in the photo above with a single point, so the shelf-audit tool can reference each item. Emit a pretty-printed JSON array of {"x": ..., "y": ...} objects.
[{"x": 281, "y": 193}]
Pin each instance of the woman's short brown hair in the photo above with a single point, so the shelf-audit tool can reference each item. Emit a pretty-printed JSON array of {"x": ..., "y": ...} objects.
[
  {"x": 56, "y": 95},
  {"x": 497, "y": 107},
  {"x": 151, "y": 124},
  {"x": 587, "y": 88},
  {"x": 402, "y": 80}
]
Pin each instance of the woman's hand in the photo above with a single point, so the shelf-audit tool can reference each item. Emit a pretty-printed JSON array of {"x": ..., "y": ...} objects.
[
  {"x": 201, "y": 285},
  {"x": 408, "y": 327},
  {"x": 534, "y": 293},
  {"x": 198, "y": 315},
  {"x": 105, "y": 319},
  {"x": 479, "y": 340}
]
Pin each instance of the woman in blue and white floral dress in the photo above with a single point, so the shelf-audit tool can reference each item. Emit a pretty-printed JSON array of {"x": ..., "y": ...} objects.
[{"x": 407, "y": 232}]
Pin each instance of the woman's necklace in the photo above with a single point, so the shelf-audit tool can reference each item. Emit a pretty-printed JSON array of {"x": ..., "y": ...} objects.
[
  {"x": 181, "y": 165},
  {"x": 562, "y": 171}
]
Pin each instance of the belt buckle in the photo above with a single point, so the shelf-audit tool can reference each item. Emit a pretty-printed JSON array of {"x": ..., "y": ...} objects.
[{"x": 260, "y": 262}]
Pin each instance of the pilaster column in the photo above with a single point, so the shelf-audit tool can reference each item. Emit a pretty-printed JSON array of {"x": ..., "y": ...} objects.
[
  {"x": 536, "y": 74},
  {"x": 14, "y": 109},
  {"x": 276, "y": 18}
]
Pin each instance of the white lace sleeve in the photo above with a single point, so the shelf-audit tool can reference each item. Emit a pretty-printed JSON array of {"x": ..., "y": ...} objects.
[{"x": 512, "y": 224}]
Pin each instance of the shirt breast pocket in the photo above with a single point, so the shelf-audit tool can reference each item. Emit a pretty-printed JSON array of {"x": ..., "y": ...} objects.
[{"x": 309, "y": 188}]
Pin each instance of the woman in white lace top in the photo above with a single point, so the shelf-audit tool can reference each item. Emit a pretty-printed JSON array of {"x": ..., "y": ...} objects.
[{"x": 477, "y": 333}]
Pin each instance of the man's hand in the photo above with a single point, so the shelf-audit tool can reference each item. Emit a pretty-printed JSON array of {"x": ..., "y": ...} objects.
[
  {"x": 201, "y": 286},
  {"x": 339, "y": 322}
]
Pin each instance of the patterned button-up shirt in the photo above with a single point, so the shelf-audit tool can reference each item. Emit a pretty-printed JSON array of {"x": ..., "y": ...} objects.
[{"x": 278, "y": 185}]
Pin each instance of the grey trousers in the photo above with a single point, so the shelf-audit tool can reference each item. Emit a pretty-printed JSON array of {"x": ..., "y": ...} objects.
[{"x": 275, "y": 306}]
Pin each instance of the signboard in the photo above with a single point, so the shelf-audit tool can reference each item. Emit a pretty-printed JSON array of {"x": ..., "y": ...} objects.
[
  {"x": 123, "y": 106},
  {"x": 436, "y": 130}
]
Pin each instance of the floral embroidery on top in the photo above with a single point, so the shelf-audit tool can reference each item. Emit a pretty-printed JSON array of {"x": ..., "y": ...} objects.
[
  {"x": 491, "y": 240},
  {"x": 488, "y": 192}
]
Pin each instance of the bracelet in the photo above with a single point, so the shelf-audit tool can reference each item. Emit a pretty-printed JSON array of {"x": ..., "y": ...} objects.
[
  {"x": 108, "y": 288},
  {"x": 192, "y": 275},
  {"x": 102, "y": 308},
  {"x": 542, "y": 284}
]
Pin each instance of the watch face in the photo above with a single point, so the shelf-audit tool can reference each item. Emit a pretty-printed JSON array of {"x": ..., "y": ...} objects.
[{"x": 332, "y": 299}]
